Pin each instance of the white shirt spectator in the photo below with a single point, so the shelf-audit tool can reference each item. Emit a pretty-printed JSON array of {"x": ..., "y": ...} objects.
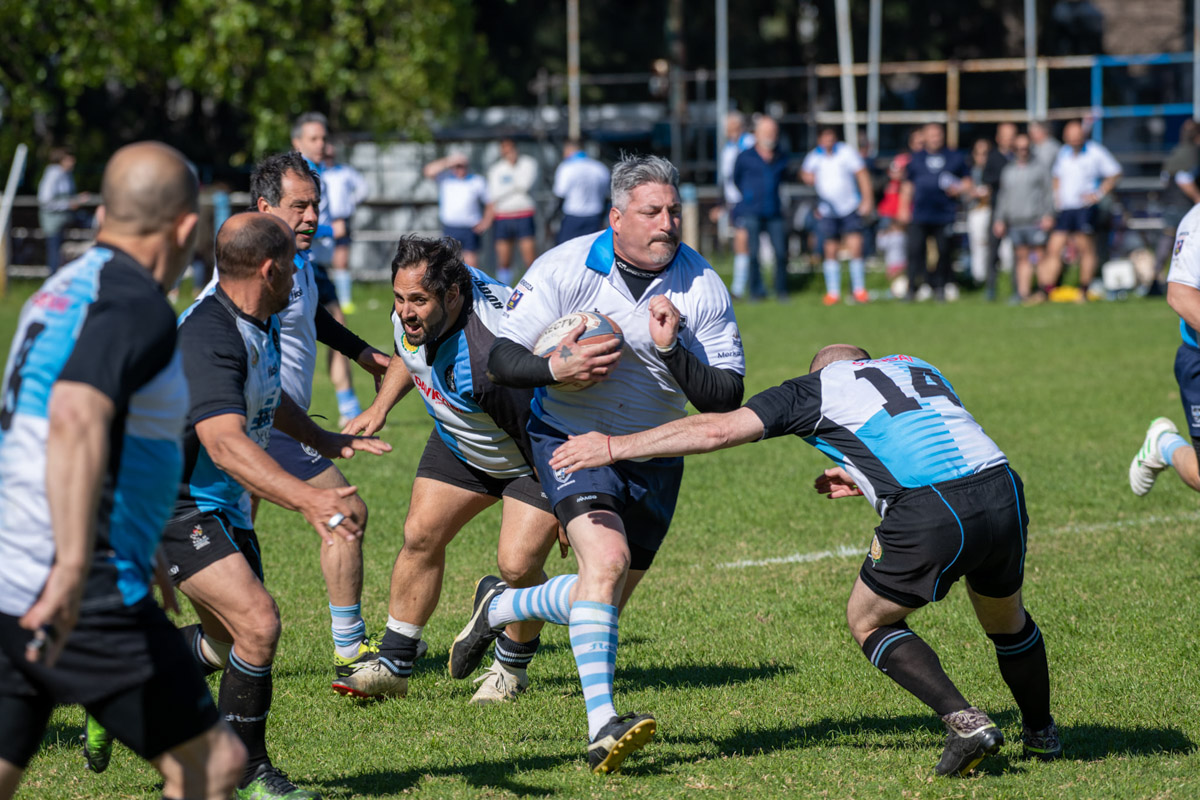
[
  {"x": 508, "y": 186},
  {"x": 1081, "y": 173},
  {"x": 461, "y": 200},
  {"x": 835, "y": 182},
  {"x": 346, "y": 188},
  {"x": 583, "y": 184},
  {"x": 1185, "y": 264},
  {"x": 56, "y": 189},
  {"x": 729, "y": 153},
  {"x": 641, "y": 392}
]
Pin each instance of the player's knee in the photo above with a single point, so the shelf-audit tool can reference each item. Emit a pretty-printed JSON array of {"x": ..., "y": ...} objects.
[
  {"x": 358, "y": 510},
  {"x": 423, "y": 542},
  {"x": 260, "y": 632},
  {"x": 520, "y": 570}
]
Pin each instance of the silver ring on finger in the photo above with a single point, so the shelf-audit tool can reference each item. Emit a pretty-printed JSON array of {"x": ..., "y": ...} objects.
[{"x": 335, "y": 520}]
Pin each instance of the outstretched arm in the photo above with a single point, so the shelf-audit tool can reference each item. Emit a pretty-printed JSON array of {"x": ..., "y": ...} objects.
[{"x": 701, "y": 433}]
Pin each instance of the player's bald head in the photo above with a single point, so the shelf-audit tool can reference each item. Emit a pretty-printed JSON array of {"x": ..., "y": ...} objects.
[
  {"x": 248, "y": 239},
  {"x": 837, "y": 352},
  {"x": 146, "y": 187}
]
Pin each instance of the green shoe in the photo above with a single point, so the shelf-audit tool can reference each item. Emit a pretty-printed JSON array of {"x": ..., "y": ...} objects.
[
  {"x": 97, "y": 744},
  {"x": 368, "y": 649},
  {"x": 270, "y": 783}
]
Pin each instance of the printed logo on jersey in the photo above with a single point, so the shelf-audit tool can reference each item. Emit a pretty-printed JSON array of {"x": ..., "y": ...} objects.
[
  {"x": 1179, "y": 242},
  {"x": 199, "y": 538},
  {"x": 408, "y": 348},
  {"x": 525, "y": 284},
  {"x": 451, "y": 381},
  {"x": 876, "y": 550},
  {"x": 310, "y": 452},
  {"x": 514, "y": 299},
  {"x": 254, "y": 356},
  {"x": 562, "y": 478},
  {"x": 1196, "y": 416},
  {"x": 682, "y": 321},
  {"x": 434, "y": 396},
  {"x": 493, "y": 301}
]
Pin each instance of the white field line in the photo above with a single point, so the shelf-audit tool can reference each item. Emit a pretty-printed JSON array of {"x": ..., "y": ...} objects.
[{"x": 844, "y": 551}]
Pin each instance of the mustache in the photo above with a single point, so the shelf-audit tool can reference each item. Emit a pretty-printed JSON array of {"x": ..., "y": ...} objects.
[{"x": 665, "y": 237}]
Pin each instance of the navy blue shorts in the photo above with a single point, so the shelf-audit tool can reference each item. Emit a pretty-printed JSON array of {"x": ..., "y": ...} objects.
[
  {"x": 1187, "y": 375},
  {"x": 343, "y": 241},
  {"x": 514, "y": 228},
  {"x": 574, "y": 227},
  {"x": 326, "y": 293},
  {"x": 298, "y": 460},
  {"x": 837, "y": 227},
  {"x": 737, "y": 216},
  {"x": 467, "y": 237},
  {"x": 646, "y": 491},
  {"x": 1076, "y": 220}
]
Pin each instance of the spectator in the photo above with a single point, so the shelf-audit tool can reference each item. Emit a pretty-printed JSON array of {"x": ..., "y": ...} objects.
[
  {"x": 346, "y": 188},
  {"x": 1000, "y": 157},
  {"x": 737, "y": 141},
  {"x": 934, "y": 180},
  {"x": 979, "y": 209},
  {"x": 510, "y": 181},
  {"x": 1084, "y": 173},
  {"x": 889, "y": 204},
  {"x": 582, "y": 183},
  {"x": 1024, "y": 211},
  {"x": 844, "y": 190},
  {"x": 892, "y": 244},
  {"x": 57, "y": 203},
  {"x": 1180, "y": 193},
  {"x": 462, "y": 202},
  {"x": 1045, "y": 147},
  {"x": 758, "y": 173}
]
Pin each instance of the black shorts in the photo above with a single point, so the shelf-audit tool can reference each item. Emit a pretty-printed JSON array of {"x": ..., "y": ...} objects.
[
  {"x": 129, "y": 667},
  {"x": 930, "y": 537},
  {"x": 326, "y": 293},
  {"x": 200, "y": 539},
  {"x": 298, "y": 460},
  {"x": 438, "y": 463}
]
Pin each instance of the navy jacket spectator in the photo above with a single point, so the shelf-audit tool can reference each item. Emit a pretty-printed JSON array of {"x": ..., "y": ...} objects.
[
  {"x": 931, "y": 174},
  {"x": 759, "y": 181}
]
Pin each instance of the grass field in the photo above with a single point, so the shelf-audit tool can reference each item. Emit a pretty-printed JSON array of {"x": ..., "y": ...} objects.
[{"x": 757, "y": 685}]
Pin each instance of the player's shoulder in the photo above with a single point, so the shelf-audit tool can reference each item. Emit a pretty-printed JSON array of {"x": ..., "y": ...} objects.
[
  {"x": 127, "y": 287},
  {"x": 1187, "y": 234},
  {"x": 487, "y": 292},
  {"x": 210, "y": 326}
]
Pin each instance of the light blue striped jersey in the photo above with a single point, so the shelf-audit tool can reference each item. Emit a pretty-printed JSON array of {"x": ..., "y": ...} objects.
[
  {"x": 893, "y": 423},
  {"x": 100, "y": 321}
]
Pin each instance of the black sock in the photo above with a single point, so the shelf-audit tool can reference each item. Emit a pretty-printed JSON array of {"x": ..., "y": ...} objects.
[
  {"x": 194, "y": 635},
  {"x": 244, "y": 701},
  {"x": 399, "y": 650},
  {"x": 905, "y": 658},
  {"x": 1022, "y": 660},
  {"x": 513, "y": 654}
]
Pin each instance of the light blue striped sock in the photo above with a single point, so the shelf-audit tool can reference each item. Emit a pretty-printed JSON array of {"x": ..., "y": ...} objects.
[
  {"x": 594, "y": 642},
  {"x": 833, "y": 277},
  {"x": 1168, "y": 443},
  {"x": 342, "y": 281},
  {"x": 858, "y": 275},
  {"x": 348, "y": 628},
  {"x": 549, "y": 602},
  {"x": 348, "y": 405}
]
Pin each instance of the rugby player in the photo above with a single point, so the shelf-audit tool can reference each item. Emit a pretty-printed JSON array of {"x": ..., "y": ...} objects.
[
  {"x": 681, "y": 344},
  {"x": 230, "y": 343},
  {"x": 1163, "y": 446},
  {"x": 446, "y": 317},
  {"x": 843, "y": 186},
  {"x": 95, "y": 396},
  {"x": 951, "y": 507},
  {"x": 283, "y": 185}
]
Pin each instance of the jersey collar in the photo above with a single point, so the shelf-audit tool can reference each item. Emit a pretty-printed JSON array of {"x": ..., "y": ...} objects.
[
  {"x": 601, "y": 257},
  {"x": 302, "y": 259}
]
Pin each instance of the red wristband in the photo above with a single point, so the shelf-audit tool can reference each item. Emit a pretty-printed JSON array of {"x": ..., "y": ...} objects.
[{"x": 611, "y": 460}]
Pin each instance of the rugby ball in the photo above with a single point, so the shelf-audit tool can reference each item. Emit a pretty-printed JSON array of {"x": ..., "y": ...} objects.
[{"x": 599, "y": 329}]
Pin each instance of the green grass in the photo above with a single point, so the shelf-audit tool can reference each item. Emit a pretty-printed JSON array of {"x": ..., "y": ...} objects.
[{"x": 758, "y": 688}]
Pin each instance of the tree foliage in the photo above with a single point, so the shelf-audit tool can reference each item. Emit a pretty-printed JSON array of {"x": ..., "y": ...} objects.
[{"x": 223, "y": 78}]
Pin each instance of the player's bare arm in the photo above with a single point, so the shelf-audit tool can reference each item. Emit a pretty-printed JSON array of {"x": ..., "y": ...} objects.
[
  {"x": 295, "y": 422},
  {"x": 396, "y": 383},
  {"x": 76, "y": 455},
  {"x": 233, "y": 452},
  {"x": 700, "y": 433},
  {"x": 1184, "y": 300},
  {"x": 867, "y": 206}
]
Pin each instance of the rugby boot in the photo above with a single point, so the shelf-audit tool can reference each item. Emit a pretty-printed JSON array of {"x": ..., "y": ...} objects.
[
  {"x": 270, "y": 783},
  {"x": 971, "y": 735},
  {"x": 377, "y": 677},
  {"x": 499, "y": 685},
  {"x": 97, "y": 744},
  {"x": 1044, "y": 745},
  {"x": 468, "y": 649},
  {"x": 1149, "y": 461},
  {"x": 616, "y": 740},
  {"x": 368, "y": 648}
]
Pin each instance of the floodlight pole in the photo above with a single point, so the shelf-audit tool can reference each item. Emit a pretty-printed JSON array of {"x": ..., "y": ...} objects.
[
  {"x": 6, "y": 205},
  {"x": 873, "y": 47},
  {"x": 723, "y": 82},
  {"x": 1031, "y": 78},
  {"x": 1196, "y": 60},
  {"x": 573, "y": 127},
  {"x": 846, "y": 70}
]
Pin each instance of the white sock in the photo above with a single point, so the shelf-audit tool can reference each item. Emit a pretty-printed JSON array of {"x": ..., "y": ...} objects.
[
  {"x": 404, "y": 628},
  {"x": 741, "y": 274}
]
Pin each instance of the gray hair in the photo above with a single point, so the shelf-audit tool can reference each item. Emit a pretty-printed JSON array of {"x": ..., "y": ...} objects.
[
  {"x": 632, "y": 171},
  {"x": 307, "y": 117}
]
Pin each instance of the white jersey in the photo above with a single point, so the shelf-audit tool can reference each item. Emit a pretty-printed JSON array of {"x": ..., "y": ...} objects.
[
  {"x": 346, "y": 188},
  {"x": 1081, "y": 173},
  {"x": 483, "y": 424},
  {"x": 641, "y": 393},
  {"x": 729, "y": 153},
  {"x": 583, "y": 185},
  {"x": 298, "y": 331},
  {"x": 508, "y": 186},
  {"x": 835, "y": 173},
  {"x": 1185, "y": 263},
  {"x": 461, "y": 200}
]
